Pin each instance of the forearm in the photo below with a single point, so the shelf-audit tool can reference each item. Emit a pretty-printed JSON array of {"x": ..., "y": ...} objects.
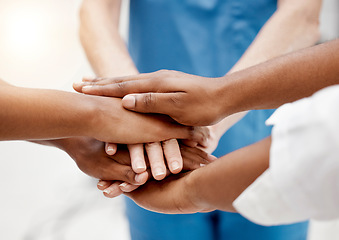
[
  {"x": 282, "y": 80},
  {"x": 293, "y": 26},
  {"x": 41, "y": 114},
  {"x": 218, "y": 184},
  {"x": 99, "y": 34}
]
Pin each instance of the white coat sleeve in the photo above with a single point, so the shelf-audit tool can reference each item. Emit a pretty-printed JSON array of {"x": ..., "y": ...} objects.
[{"x": 302, "y": 181}]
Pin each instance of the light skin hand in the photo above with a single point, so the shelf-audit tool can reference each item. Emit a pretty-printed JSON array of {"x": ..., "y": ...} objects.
[
  {"x": 157, "y": 153},
  {"x": 193, "y": 158},
  {"x": 160, "y": 155}
]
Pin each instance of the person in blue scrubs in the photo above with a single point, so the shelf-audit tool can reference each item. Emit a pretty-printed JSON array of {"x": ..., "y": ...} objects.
[{"x": 205, "y": 38}]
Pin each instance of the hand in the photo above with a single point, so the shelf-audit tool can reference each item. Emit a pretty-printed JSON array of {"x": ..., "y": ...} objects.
[
  {"x": 188, "y": 99},
  {"x": 193, "y": 158},
  {"x": 172, "y": 196},
  {"x": 159, "y": 152},
  {"x": 155, "y": 153},
  {"x": 91, "y": 158},
  {"x": 110, "y": 122}
]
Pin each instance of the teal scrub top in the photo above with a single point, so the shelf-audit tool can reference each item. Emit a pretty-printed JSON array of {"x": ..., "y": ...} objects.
[
  {"x": 201, "y": 37},
  {"x": 206, "y": 38}
]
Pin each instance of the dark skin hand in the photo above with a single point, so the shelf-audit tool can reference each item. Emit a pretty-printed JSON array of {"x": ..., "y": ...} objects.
[
  {"x": 194, "y": 100},
  {"x": 180, "y": 89},
  {"x": 215, "y": 186}
]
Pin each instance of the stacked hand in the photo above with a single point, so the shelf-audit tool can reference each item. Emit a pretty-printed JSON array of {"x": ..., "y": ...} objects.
[
  {"x": 190, "y": 100},
  {"x": 91, "y": 157},
  {"x": 168, "y": 95}
]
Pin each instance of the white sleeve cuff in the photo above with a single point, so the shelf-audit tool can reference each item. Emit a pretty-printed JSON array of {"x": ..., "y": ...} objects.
[{"x": 262, "y": 204}]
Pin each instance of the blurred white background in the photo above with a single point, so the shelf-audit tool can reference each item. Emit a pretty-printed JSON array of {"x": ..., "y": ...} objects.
[{"x": 43, "y": 194}]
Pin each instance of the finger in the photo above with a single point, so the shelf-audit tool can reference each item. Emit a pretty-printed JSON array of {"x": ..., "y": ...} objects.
[
  {"x": 113, "y": 190},
  {"x": 164, "y": 103},
  {"x": 200, "y": 135},
  {"x": 118, "y": 89},
  {"x": 142, "y": 178},
  {"x": 91, "y": 79},
  {"x": 189, "y": 143},
  {"x": 126, "y": 187},
  {"x": 116, "y": 171},
  {"x": 173, "y": 155},
  {"x": 112, "y": 80},
  {"x": 111, "y": 148},
  {"x": 102, "y": 184},
  {"x": 78, "y": 87},
  {"x": 156, "y": 160},
  {"x": 136, "y": 152},
  {"x": 194, "y": 158}
]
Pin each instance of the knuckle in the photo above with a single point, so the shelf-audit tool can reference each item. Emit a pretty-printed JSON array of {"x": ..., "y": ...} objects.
[
  {"x": 129, "y": 175},
  {"x": 177, "y": 101},
  {"x": 121, "y": 85},
  {"x": 149, "y": 99},
  {"x": 162, "y": 72},
  {"x": 152, "y": 145}
]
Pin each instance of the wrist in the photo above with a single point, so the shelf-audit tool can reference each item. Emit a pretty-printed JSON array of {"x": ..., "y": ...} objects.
[
  {"x": 91, "y": 121},
  {"x": 230, "y": 91},
  {"x": 193, "y": 194}
]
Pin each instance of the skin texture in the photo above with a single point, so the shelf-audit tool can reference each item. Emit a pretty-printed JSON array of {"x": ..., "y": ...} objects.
[{"x": 215, "y": 186}]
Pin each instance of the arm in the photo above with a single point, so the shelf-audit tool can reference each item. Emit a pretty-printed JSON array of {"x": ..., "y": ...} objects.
[
  {"x": 293, "y": 26},
  {"x": 108, "y": 55},
  {"x": 267, "y": 85},
  {"x": 215, "y": 186},
  {"x": 99, "y": 35},
  {"x": 44, "y": 114}
]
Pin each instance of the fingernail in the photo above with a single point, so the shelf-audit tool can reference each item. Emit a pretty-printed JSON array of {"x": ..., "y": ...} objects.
[
  {"x": 138, "y": 178},
  {"x": 159, "y": 172},
  {"x": 202, "y": 165},
  {"x": 175, "y": 165},
  {"x": 87, "y": 87},
  {"x": 128, "y": 102},
  {"x": 212, "y": 158},
  {"x": 205, "y": 142},
  {"x": 77, "y": 84},
  {"x": 107, "y": 191},
  {"x": 123, "y": 185},
  {"x": 110, "y": 150},
  {"x": 139, "y": 165},
  {"x": 100, "y": 184}
]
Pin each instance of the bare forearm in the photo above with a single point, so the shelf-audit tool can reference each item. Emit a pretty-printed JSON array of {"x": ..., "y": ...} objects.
[
  {"x": 220, "y": 183},
  {"x": 40, "y": 114},
  {"x": 99, "y": 34},
  {"x": 284, "y": 79},
  {"x": 293, "y": 26}
]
